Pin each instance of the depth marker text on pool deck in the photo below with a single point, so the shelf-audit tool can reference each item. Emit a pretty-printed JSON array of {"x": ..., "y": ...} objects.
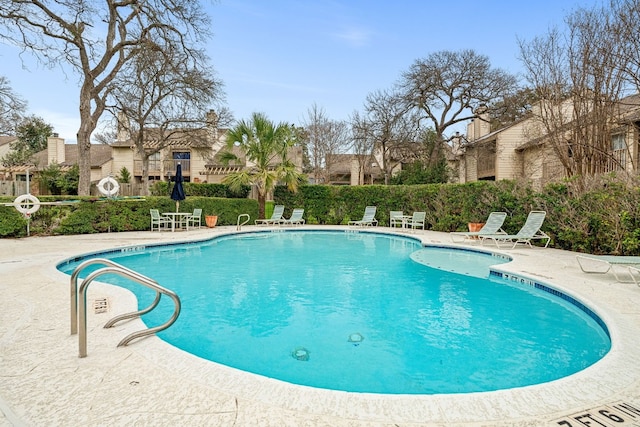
[{"x": 614, "y": 414}]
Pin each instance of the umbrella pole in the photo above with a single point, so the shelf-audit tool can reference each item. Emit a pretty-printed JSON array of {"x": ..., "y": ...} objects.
[{"x": 178, "y": 206}]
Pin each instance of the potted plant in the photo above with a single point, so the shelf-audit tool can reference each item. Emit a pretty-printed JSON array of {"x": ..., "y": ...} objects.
[
  {"x": 475, "y": 226},
  {"x": 211, "y": 220}
]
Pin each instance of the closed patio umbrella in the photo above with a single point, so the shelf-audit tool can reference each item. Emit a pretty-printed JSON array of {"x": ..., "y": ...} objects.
[{"x": 177, "y": 193}]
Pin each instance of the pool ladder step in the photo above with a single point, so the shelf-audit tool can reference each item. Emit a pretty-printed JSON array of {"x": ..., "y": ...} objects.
[{"x": 79, "y": 301}]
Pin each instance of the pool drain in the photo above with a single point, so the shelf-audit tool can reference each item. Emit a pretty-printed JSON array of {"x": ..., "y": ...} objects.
[
  {"x": 355, "y": 338},
  {"x": 300, "y": 353}
]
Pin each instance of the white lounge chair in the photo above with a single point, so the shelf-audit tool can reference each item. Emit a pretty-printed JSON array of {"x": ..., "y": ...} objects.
[
  {"x": 492, "y": 226},
  {"x": 602, "y": 264},
  {"x": 529, "y": 231},
  {"x": 368, "y": 219},
  {"x": 295, "y": 219},
  {"x": 276, "y": 216}
]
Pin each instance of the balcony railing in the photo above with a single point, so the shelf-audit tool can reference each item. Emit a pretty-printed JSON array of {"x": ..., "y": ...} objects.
[
  {"x": 163, "y": 167},
  {"x": 171, "y": 166},
  {"x": 617, "y": 161},
  {"x": 486, "y": 166}
]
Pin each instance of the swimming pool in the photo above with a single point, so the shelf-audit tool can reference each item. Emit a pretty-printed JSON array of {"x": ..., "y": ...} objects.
[{"x": 362, "y": 312}]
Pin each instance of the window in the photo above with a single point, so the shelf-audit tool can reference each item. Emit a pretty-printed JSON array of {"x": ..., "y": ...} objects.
[
  {"x": 154, "y": 162},
  {"x": 617, "y": 142},
  {"x": 182, "y": 158},
  {"x": 618, "y": 158},
  {"x": 181, "y": 155}
]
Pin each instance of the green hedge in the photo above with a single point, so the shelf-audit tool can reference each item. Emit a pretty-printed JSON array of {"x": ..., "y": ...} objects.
[
  {"x": 449, "y": 207},
  {"x": 163, "y": 188},
  {"x": 92, "y": 215},
  {"x": 602, "y": 216},
  {"x": 12, "y": 223}
]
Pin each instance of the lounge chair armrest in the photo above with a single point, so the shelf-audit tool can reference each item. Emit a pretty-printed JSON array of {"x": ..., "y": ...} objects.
[
  {"x": 634, "y": 272},
  {"x": 586, "y": 263}
]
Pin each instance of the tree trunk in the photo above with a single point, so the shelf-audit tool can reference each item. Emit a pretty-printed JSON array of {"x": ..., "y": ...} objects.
[
  {"x": 262, "y": 198},
  {"x": 144, "y": 179},
  {"x": 84, "y": 163},
  {"x": 87, "y": 126}
]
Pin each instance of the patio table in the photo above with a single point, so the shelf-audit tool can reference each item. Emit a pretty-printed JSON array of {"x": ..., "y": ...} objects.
[
  {"x": 179, "y": 217},
  {"x": 405, "y": 220}
]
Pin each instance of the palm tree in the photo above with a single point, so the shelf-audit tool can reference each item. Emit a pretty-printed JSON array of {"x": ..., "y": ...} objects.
[{"x": 266, "y": 147}]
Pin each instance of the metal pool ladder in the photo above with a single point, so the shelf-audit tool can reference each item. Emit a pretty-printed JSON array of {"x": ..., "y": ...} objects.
[
  {"x": 239, "y": 224},
  {"x": 80, "y": 296}
]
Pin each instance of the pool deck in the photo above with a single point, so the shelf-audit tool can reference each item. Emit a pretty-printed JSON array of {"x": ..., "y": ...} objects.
[{"x": 43, "y": 382}]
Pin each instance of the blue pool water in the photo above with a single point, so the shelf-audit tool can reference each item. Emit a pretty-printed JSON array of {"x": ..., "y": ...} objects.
[{"x": 362, "y": 312}]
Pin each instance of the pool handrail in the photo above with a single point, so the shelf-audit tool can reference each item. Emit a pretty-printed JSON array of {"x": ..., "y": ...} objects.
[
  {"x": 114, "y": 268},
  {"x": 238, "y": 224}
]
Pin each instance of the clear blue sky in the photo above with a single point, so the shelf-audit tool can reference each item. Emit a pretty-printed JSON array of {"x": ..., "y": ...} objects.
[{"x": 280, "y": 57}]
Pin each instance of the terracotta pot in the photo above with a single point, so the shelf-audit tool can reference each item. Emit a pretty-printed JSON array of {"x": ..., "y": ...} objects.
[
  {"x": 475, "y": 226},
  {"x": 211, "y": 220}
]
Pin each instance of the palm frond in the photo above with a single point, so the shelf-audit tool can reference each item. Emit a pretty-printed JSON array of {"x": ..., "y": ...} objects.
[
  {"x": 266, "y": 148},
  {"x": 236, "y": 180}
]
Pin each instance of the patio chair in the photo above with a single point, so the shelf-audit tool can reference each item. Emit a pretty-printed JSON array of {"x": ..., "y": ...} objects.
[
  {"x": 417, "y": 220},
  {"x": 602, "y": 264},
  {"x": 158, "y": 221},
  {"x": 492, "y": 226},
  {"x": 295, "y": 219},
  {"x": 276, "y": 216},
  {"x": 368, "y": 219},
  {"x": 395, "y": 218},
  {"x": 529, "y": 231},
  {"x": 194, "y": 218}
]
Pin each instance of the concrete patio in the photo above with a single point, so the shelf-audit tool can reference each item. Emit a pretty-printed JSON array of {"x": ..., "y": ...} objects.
[{"x": 150, "y": 383}]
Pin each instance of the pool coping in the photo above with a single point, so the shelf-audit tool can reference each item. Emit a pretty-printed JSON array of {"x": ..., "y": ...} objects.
[{"x": 608, "y": 383}]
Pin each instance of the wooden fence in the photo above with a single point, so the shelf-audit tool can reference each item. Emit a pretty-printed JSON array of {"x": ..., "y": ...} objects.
[
  {"x": 125, "y": 190},
  {"x": 17, "y": 188},
  {"x": 13, "y": 188}
]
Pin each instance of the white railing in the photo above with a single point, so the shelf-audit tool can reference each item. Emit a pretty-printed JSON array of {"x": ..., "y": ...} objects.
[{"x": 79, "y": 302}]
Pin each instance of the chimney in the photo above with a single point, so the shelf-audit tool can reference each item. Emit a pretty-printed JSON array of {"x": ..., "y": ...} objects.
[
  {"x": 212, "y": 125},
  {"x": 124, "y": 127},
  {"x": 470, "y": 128},
  {"x": 356, "y": 172},
  {"x": 481, "y": 124},
  {"x": 213, "y": 136},
  {"x": 55, "y": 150},
  {"x": 456, "y": 144}
]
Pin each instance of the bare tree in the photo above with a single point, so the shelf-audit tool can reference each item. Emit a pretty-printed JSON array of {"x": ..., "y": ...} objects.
[
  {"x": 12, "y": 108},
  {"x": 363, "y": 142},
  {"x": 164, "y": 95},
  {"x": 627, "y": 16},
  {"x": 448, "y": 87},
  {"x": 578, "y": 77},
  {"x": 224, "y": 117},
  {"x": 324, "y": 139},
  {"x": 512, "y": 108},
  {"x": 97, "y": 38},
  {"x": 392, "y": 127}
]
